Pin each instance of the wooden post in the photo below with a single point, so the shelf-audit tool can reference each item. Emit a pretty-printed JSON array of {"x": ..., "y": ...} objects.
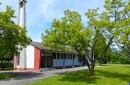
[
  {"x": 73, "y": 60},
  {"x": 46, "y": 61},
  {"x": 64, "y": 61}
]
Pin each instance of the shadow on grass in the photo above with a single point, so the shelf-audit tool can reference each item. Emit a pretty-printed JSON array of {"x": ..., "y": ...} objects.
[
  {"x": 108, "y": 74},
  {"x": 82, "y": 76},
  {"x": 79, "y": 76},
  {"x": 23, "y": 75}
]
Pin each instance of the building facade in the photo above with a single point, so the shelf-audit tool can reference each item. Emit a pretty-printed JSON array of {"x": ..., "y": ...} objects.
[
  {"x": 38, "y": 57},
  {"x": 35, "y": 56}
]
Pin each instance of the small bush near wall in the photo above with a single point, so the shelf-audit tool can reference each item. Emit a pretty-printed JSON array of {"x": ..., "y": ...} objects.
[{"x": 9, "y": 66}]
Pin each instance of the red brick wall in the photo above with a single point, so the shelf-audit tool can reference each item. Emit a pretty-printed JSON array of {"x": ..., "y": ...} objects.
[{"x": 37, "y": 58}]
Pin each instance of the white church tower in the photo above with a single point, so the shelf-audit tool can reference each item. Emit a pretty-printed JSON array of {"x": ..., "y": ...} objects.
[
  {"x": 22, "y": 13},
  {"x": 22, "y": 23},
  {"x": 20, "y": 63},
  {"x": 28, "y": 58}
]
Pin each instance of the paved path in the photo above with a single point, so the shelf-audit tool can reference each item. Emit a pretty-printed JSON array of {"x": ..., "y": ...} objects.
[{"x": 27, "y": 77}]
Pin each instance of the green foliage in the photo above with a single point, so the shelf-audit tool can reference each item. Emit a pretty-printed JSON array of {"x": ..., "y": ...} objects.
[
  {"x": 119, "y": 57},
  {"x": 10, "y": 36},
  {"x": 67, "y": 33},
  {"x": 103, "y": 29},
  {"x": 119, "y": 12}
]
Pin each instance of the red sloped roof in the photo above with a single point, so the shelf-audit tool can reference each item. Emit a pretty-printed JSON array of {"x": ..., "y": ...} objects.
[{"x": 39, "y": 45}]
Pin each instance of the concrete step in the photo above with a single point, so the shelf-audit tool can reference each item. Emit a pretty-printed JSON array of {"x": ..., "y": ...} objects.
[{"x": 46, "y": 69}]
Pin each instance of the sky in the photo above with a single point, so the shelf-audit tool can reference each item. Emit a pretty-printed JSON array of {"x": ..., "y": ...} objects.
[{"x": 40, "y": 13}]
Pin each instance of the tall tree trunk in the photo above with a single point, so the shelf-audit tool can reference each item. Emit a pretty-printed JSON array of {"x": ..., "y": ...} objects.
[{"x": 91, "y": 68}]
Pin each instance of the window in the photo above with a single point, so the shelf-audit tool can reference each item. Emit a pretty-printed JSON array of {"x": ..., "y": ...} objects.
[
  {"x": 69, "y": 56},
  {"x": 62, "y": 56},
  {"x": 58, "y": 55},
  {"x": 65, "y": 56},
  {"x": 21, "y": 4},
  {"x": 49, "y": 53},
  {"x": 18, "y": 58},
  {"x": 73, "y": 56},
  {"x": 79, "y": 59},
  {"x": 54, "y": 55},
  {"x": 44, "y": 54}
]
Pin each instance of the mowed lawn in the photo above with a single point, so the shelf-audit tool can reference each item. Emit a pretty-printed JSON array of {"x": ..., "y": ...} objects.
[{"x": 111, "y": 74}]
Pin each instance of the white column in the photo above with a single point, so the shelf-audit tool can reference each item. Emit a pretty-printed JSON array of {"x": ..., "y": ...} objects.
[
  {"x": 22, "y": 13},
  {"x": 73, "y": 60},
  {"x": 46, "y": 59},
  {"x": 15, "y": 61},
  {"x": 22, "y": 23}
]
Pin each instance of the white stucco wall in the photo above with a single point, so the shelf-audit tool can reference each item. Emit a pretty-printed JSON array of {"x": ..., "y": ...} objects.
[{"x": 30, "y": 56}]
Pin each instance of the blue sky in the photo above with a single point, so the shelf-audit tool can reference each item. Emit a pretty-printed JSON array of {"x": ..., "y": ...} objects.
[{"x": 40, "y": 13}]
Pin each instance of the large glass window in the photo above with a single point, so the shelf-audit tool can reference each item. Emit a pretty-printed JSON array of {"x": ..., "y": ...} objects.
[
  {"x": 18, "y": 58},
  {"x": 58, "y": 55},
  {"x": 73, "y": 56},
  {"x": 65, "y": 56},
  {"x": 62, "y": 56},
  {"x": 54, "y": 55},
  {"x": 69, "y": 56}
]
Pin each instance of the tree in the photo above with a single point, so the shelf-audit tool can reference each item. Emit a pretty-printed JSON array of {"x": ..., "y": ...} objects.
[
  {"x": 113, "y": 23},
  {"x": 69, "y": 33},
  {"x": 10, "y": 36},
  {"x": 123, "y": 41},
  {"x": 94, "y": 40}
]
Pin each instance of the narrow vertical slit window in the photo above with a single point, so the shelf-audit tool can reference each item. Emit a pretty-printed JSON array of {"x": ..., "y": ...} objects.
[{"x": 18, "y": 58}]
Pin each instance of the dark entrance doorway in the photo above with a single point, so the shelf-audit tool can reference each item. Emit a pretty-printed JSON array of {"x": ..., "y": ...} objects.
[
  {"x": 49, "y": 61},
  {"x": 43, "y": 62}
]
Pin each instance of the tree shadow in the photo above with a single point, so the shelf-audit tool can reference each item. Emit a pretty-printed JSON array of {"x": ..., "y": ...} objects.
[
  {"x": 79, "y": 76},
  {"x": 82, "y": 76},
  {"x": 23, "y": 75},
  {"x": 121, "y": 76}
]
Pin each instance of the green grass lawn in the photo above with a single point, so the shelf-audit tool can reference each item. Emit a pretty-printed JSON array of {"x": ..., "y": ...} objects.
[
  {"x": 111, "y": 74},
  {"x": 5, "y": 75}
]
